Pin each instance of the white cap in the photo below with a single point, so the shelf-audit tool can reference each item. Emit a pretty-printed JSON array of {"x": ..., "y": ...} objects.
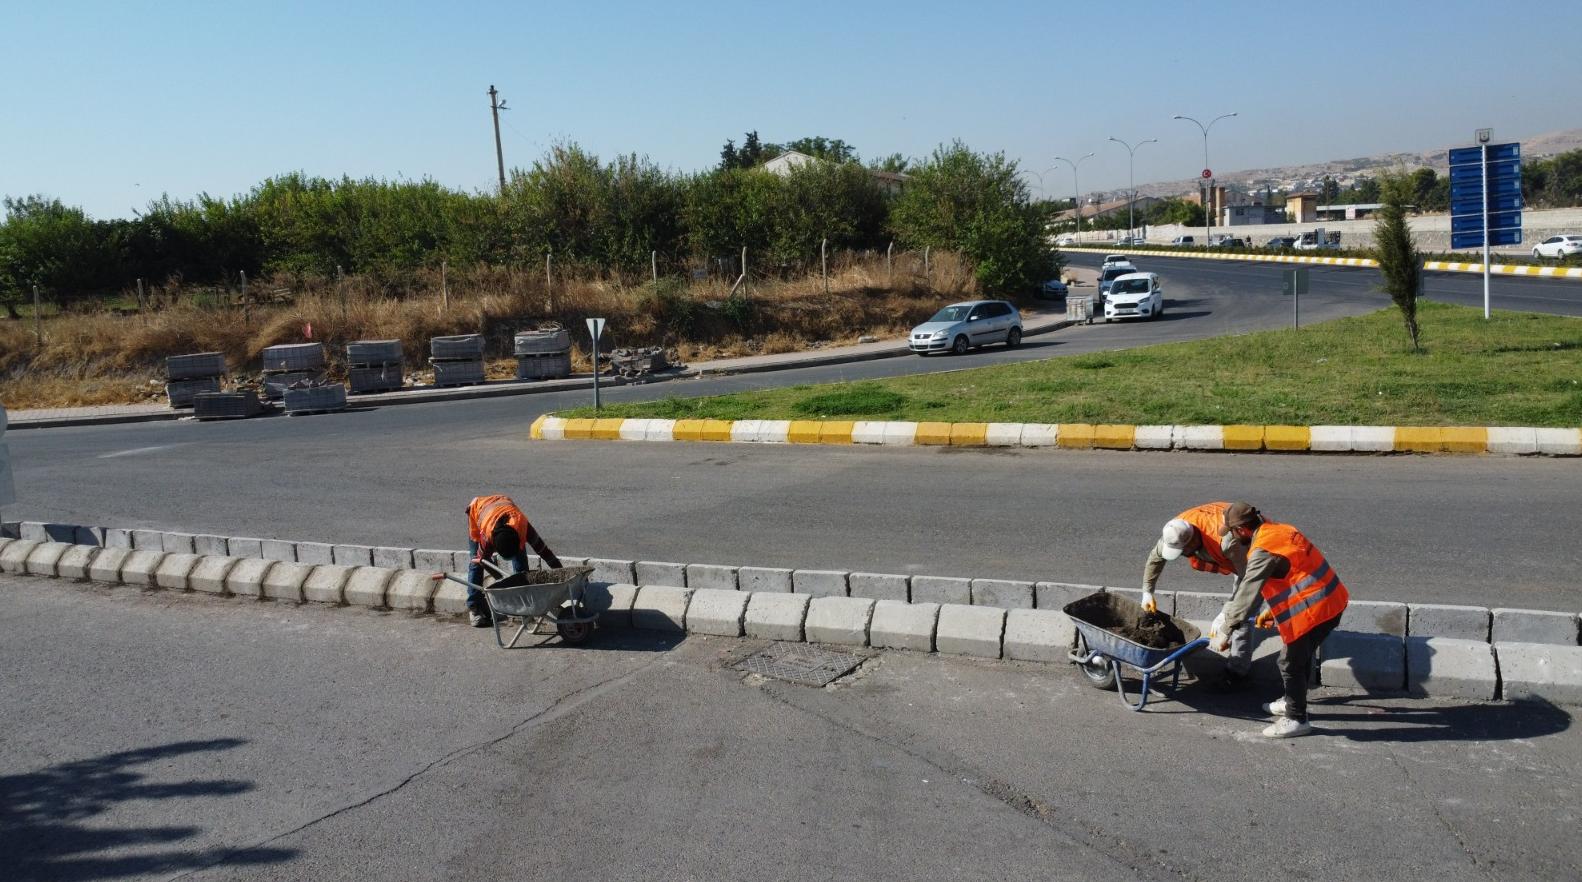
[{"x": 1174, "y": 539}]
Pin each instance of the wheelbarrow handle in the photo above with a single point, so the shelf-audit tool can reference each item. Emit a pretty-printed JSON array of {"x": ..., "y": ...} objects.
[{"x": 440, "y": 577}]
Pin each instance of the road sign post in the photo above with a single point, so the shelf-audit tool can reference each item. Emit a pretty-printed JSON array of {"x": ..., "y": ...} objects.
[
  {"x": 595, "y": 330},
  {"x": 1486, "y": 198},
  {"x": 1294, "y": 285}
]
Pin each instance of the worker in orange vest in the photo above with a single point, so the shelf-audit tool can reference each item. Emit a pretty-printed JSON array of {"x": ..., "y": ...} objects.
[
  {"x": 1305, "y": 598},
  {"x": 1198, "y": 535},
  {"x": 496, "y": 526}
]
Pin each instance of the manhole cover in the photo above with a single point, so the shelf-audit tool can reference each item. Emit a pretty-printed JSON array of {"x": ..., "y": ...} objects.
[{"x": 800, "y": 663}]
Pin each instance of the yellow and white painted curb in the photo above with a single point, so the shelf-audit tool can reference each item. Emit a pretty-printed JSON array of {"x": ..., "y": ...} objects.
[
  {"x": 1507, "y": 440},
  {"x": 1498, "y": 269}
]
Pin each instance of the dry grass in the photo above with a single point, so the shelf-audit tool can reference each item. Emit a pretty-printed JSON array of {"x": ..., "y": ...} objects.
[{"x": 105, "y": 358}]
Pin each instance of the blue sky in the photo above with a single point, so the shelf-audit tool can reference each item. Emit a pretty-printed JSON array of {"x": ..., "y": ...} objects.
[{"x": 108, "y": 105}]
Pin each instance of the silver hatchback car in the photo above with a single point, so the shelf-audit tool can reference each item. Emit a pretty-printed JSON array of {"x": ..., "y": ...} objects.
[{"x": 962, "y": 326}]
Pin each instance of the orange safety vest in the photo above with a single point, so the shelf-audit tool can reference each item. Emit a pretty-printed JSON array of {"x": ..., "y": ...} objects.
[
  {"x": 1310, "y": 594},
  {"x": 484, "y": 513},
  {"x": 1209, "y": 520}
]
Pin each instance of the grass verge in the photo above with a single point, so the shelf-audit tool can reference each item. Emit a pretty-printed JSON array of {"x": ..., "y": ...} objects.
[{"x": 1517, "y": 369}]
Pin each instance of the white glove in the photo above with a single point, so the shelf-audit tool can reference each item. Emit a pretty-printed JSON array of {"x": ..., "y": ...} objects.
[
  {"x": 1149, "y": 603},
  {"x": 1218, "y": 634}
]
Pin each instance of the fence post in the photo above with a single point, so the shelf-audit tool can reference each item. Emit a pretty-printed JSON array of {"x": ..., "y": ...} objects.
[
  {"x": 653, "y": 262},
  {"x": 744, "y": 270},
  {"x": 444, "y": 286},
  {"x": 823, "y": 259},
  {"x": 247, "y": 305},
  {"x": 925, "y": 261},
  {"x": 549, "y": 281},
  {"x": 340, "y": 288},
  {"x": 38, "y": 319},
  {"x": 889, "y": 270},
  {"x": 142, "y": 310}
]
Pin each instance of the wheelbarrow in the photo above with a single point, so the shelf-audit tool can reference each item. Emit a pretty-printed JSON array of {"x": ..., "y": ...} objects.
[
  {"x": 1100, "y": 653},
  {"x": 547, "y": 601}
]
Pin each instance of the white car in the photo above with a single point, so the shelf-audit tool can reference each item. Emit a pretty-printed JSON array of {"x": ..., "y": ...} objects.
[
  {"x": 1134, "y": 295},
  {"x": 1559, "y": 246},
  {"x": 1065, "y": 240},
  {"x": 1115, "y": 260}
]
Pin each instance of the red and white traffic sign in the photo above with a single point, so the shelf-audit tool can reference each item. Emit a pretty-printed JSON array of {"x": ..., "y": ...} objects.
[{"x": 1208, "y": 173}]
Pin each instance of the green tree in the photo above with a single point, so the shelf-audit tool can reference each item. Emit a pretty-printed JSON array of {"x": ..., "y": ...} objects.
[
  {"x": 59, "y": 249},
  {"x": 1400, "y": 263},
  {"x": 830, "y": 150},
  {"x": 894, "y": 163},
  {"x": 728, "y": 157}
]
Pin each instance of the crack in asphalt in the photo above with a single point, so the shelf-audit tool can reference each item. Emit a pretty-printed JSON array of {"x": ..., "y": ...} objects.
[
  {"x": 556, "y": 709},
  {"x": 1433, "y": 806}
]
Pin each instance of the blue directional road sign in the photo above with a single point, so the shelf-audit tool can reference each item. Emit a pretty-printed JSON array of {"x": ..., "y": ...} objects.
[{"x": 1503, "y": 223}]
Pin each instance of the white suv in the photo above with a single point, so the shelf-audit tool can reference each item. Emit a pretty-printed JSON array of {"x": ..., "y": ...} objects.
[{"x": 1559, "y": 246}]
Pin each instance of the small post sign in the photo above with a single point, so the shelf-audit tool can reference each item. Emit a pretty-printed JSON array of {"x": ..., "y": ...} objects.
[
  {"x": 1294, "y": 285},
  {"x": 595, "y": 331}
]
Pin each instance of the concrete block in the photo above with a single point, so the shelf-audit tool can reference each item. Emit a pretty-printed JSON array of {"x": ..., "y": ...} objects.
[
  {"x": 326, "y": 584},
  {"x": 433, "y": 560},
  {"x": 64, "y": 533},
  {"x": 244, "y": 546},
  {"x": 33, "y": 531},
  {"x": 660, "y": 608},
  {"x": 1154, "y": 437},
  {"x": 1444, "y": 620},
  {"x": 772, "y": 579},
  {"x": 880, "y": 586},
  {"x": 634, "y": 430},
  {"x": 1198, "y": 606},
  {"x": 1197, "y": 437},
  {"x": 1042, "y": 635},
  {"x": 77, "y": 560},
  {"x": 1513, "y": 441},
  {"x": 1374, "y": 617},
  {"x": 862, "y": 432},
  {"x": 410, "y": 590},
  {"x": 898, "y": 625},
  {"x": 115, "y": 537},
  {"x": 1040, "y": 435},
  {"x": 1560, "y": 442},
  {"x": 776, "y": 616},
  {"x": 1372, "y": 439},
  {"x": 1166, "y": 600},
  {"x": 148, "y": 540},
  {"x": 1533, "y": 626},
  {"x": 246, "y": 579},
  {"x": 717, "y": 611},
  {"x": 612, "y": 602},
  {"x": 461, "y": 562},
  {"x": 89, "y": 536},
  {"x": 565, "y": 560},
  {"x": 840, "y": 620},
  {"x": 712, "y": 576},
  {"x": 315, "y": 553},
  {"x": 1330, "y": 439},
  {"x": 1365, "y": 661},
  {"x": 208, "y": 574},
  {"x": 612, "y": 572},
  {"x": 450, "y": 598},
  {"x": 288, "y": 581},
  {"x": 970, "y": 630},
  {"x": 1003, "y": 593},
  {"x": 941, "y": 589},
  {"x": 211, "y": 546},
  {"x": 352, "y": 555},
  {"x": 663, "y": 573},
  {"x": 1055, "y": 595},
  {"x": 44, "y": 559},
  {"x": 140, "y": 566},
  {"x": 392, "y": 558},
  {"x": 175, "y": 571},
  {"x": 106, "y": 567},
  {"x": 10, "y": 529},
  {"x": 900, "y": 434},
  {"x": 279, "y": 549},
  {"x": 660, "y": 430},
  {"x": 819, "y": 583},
  {"x": 180, "y": 543},
  {"x": 366, "y": 586},
  {"x": 1540, "y": 671},
  {"x": 1444, "y": 667}
]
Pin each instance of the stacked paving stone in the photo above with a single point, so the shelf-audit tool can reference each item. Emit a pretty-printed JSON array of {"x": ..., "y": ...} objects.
[
  {"x": 289, "y": 364},
  {"x": 543, "y": 355},
  {"x": 373, "y": 366},
  {"x": 186, "y": 376},
  {"x": 457, "y": 360}
]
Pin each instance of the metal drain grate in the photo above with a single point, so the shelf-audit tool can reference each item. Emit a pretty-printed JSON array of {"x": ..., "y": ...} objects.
[{"x": 799, "y": 663}]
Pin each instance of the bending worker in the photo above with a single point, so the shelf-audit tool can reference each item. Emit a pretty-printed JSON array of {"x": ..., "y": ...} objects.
[
  {"x": 496, "y": 526},
  {"x": 1305, "y": 597},
  {"x": 1199, "y": 535}
]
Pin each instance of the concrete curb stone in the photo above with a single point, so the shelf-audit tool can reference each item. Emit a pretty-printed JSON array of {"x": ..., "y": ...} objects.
[
  {"x": 278, "y": 549},
  {"x": 326, "y": 584},
  {"x": 1055, "y": 595},
  {"x": 352, "y": 555},
  {"x": 838, "y": 620},
  {"x": 941, "y": 590},
  {"x": 1445, "y": 620},
  {"x": 1374, "y": 617},
  {"x": 10, "y": 529},
  {"x": 114, "y": 537},
  {"x": 244, "y": 546},
  {"x": 209, "y": 574},
  {"x": 1540, "y": 671},
  {"x": 1445, "y": 667},
  {"x": 148, "y": 540},
  {"x": 106, "y": 566},
  {"x": 180, "y": 543},
  {"x": 1533, "y": 626},
  {"x": 77, "y": 560},
  {"x": 32, "y": 531},
  {"x": 285, "y": 581},
  {"x": 139, "y": 567},
  {"x": 1041, "y": 635},
  {"x": 776, "y": 616},
  {"x": 1003, "y": 593},
  {"x": 246, "y": 579},
  {"x": 970, "y": 630},
  {"x": 392, "y": 558},
  {"x": 44, "y": 559},
  {"x": 1365, "y": 661},
  {"x": 612, "y": 602},
  {"x": 711, "y": 576},
  {"x": 212, "y": 546},
  {"x": 366, "y": 586},
  {"x": 174, "y": 571},
  {"x": 612, "y": 572},
  {"x": 1195, "y": 606},
  {"x": 660, "y": 608},
  {"x": 315, "y": 553},
  {"x": 661, "y": 573},
  {"x": 410, "y": 590},
  {"x": 900, "y": 625},
  {"x": 461, "y": 562},
  {"x": 433, "y": 560},
  {"x": 819, "y": 583},
  {"x": 449, "y": 599},
  {"x": 880, "y": 586},
  {"x": 64, "y": 533},
  {"x": 771, "y": 579},
  {"x": 717, "y": 611},
  {"x": 89, "y": 536}
]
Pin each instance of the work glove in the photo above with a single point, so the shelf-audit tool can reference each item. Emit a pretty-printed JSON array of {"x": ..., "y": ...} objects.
[
  {"x": 1149, "y": 603},
  {"x": 1265, "y": 619},
  {"x": 1219, "y": 634}
]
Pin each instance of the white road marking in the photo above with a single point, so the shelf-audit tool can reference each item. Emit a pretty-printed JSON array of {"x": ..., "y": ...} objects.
[{"x": 136, "y": 450}]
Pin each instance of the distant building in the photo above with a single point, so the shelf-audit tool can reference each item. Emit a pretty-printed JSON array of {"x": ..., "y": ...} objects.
[
  {"x": 1247, "y": 215},
  {"x": 1346, "y": 212},
  {"x": 1301, "y": 208},
  {"x": 892, "y": 183},
  {"x": 1107, "y": 209}
]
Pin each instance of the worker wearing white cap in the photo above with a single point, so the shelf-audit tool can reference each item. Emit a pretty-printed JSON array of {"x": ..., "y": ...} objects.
[{"x": 1199, "y": 535}]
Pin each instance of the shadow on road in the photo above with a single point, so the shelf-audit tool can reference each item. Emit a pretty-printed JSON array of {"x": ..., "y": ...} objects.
[{"x": 47, "y": 828}]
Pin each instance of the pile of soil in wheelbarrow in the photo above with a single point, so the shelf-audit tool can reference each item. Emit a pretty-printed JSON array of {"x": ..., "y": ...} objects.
[
  {"x": 545, "y": 577},
  {"x": 1153, "y": 630},
  {"x": 1125, "y": 617}
]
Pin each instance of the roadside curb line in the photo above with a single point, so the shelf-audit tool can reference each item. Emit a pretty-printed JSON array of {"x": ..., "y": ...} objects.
[
  {"x": 1502, "y": 440},
  {"x": 1445, "y": 266}
]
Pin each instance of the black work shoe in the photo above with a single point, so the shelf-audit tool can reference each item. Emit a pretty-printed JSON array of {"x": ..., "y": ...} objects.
[
  {"x": 480, "y": 619},
  {"x": 1230, "y": 681}
]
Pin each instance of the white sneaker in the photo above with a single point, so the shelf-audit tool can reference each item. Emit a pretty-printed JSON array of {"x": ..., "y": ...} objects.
[
  {"x": 1285, "y": 727},
  {"x": 1275, "y": 708}
]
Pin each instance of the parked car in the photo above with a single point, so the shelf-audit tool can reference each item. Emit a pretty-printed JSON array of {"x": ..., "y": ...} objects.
[
  {"x": 1131, "y": 241},
  {"x": 1184, "y": 240},
  {"x": 1110, "y": 273},
  {"x": 1115, "y": 258},
  {"x": 1231, "y": 242},
  {"x": 1134, "y": 295},
  {"x": 1280, "y": 242},
  {"x": 962, "y": 326},
  {"x": 1559, "y": 246},
  {"x": 1054, "y": 288},
  {"x": 1065, "y": 239}
]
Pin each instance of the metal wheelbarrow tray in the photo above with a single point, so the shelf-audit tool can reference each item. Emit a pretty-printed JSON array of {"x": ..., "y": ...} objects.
[
  {"x": 541, "y": 597},
  {"x": 1100, "y": 652}
]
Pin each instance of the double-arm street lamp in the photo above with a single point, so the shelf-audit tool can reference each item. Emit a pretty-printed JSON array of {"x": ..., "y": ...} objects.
[
  {"x": 1208, "y": 183},
  {"x": 1076, "y": 199},
  {"x": 1131, "y": 202}
]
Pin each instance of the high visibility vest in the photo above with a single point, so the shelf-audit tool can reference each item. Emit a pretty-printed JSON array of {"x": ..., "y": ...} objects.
[
  {"x": 484, "y": 513},
  {"x": 1310, "y": 594},
  {"x": 1209, "y": 521}
]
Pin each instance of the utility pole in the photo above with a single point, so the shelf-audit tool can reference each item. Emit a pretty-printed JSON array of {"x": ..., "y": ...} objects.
[
  {"x": 1076, "y": 200},
  {"x": 1131, "y": 184},
  {"x": 1208, "y": 182},
  {"x": 495, "y": 106}
]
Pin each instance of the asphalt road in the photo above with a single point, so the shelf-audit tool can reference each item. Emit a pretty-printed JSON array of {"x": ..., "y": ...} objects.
[
  {"x": 1487, "y": 531},
  {"x": 159, "y": 736}
]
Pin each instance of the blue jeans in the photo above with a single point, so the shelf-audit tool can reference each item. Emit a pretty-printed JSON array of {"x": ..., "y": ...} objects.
[{"x": 475, "y": 571}]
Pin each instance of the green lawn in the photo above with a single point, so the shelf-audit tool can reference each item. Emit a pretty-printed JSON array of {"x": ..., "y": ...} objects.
[{"x": 1518, "y": 369}]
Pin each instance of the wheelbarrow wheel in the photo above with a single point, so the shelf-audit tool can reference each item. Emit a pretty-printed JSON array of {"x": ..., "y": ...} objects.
[
  {"x": 573, "y": 633},
  {"x": 1100, "y": 673}
]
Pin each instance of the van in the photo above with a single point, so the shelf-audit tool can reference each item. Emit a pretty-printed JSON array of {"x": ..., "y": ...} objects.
[{"x": 1184, "y": 240}]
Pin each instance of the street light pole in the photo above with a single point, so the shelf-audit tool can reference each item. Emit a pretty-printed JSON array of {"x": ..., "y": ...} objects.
[
  {"x": 1208, "y": 219},
  {"x": 1131, "y": 184},
  {"x": 1076, "y": 198}
]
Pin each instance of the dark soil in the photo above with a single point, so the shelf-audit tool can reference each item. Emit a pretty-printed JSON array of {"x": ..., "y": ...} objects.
[
  {"x": 545, "y": 577},
  {"x": 1153, "y": 630}
]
